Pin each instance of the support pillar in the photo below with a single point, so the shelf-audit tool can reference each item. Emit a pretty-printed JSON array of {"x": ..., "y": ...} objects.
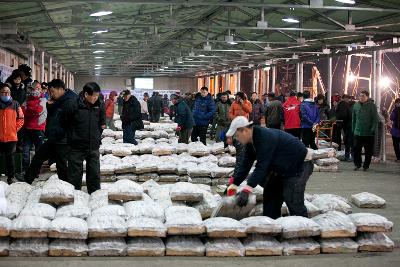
[
  {"x": 56, "y": 71},
  {"x": 238, "y": 83},
  {"x": 378, "y": 79},
  {"x": 50, "y": 75},
  {"x": 31, "y": 61},
  {"x": 301, "y": 76},
  {"x": 273, "y": 78},
  {"x": 329, "y": 96},
  {"x": 297, "y": 76},
  {"x": 42, "y": 66}
]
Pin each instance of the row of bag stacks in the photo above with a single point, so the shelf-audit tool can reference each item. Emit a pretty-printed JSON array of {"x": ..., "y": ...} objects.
[
  {"x": 156, "y": 220},
  {"x": 324, "y": 159}
]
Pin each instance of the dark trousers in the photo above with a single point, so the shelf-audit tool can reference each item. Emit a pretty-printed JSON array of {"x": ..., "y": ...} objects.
[
  {"x": 280, "y": 189},
  {"x": 31, "y": 138},
  {"x": 337, "y": 135},
  {"x": 308, "y": 138},
  {"x": 129, "y": 134},
  {"x": 199, "y": 131},
  {"x": 184, "y": 135},
  {"x": 368, "y": 143},
  {"x": 396, "y": 146},
  {"x": 57, "y": 152},
  {"x": 7, "y": 149},
  {"x": 145, "y": 116},
  {"x": 348, "y": 141},
  {"x": 20, "y": 143},
  {"x": 295, "y": 132},
  {"x": 75, "y": 169},
  {"x": 155, "y": 116}
]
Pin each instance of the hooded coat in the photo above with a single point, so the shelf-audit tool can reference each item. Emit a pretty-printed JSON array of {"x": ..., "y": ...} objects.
[{"x": 309, "y": 113}]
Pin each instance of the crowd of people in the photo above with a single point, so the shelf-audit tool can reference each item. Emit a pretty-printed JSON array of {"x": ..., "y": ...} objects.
[{"x": 65, "y": 127}]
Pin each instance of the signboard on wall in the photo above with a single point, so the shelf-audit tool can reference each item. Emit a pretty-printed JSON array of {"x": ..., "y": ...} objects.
[
  {"x": 138, "y": 93},
  {"x": 5, "y": 72}
]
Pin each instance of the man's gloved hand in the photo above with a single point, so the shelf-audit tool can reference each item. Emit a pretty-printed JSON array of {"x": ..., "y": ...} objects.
[
  {"x": 178, "y": 129},
  {"x": 242, "y": 198}
]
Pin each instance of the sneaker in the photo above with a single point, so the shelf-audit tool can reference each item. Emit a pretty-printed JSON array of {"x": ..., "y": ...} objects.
[{"x": 356, "y": 168}]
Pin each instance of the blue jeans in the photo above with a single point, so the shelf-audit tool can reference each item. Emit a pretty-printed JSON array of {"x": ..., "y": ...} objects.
[
  {"x": 31, "y": 138},
  {"x": 129, "y": 134}
]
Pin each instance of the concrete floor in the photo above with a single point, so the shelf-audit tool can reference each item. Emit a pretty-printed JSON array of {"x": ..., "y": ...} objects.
[{"x": 383, "y": 179}]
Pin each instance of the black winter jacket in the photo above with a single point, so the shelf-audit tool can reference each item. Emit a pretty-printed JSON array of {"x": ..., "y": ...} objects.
[
  {"x": 131, "y": 114},
  {"x": 56, "y": 116},
  {"x": 275, "y": 151},
  {"x": 183, "y": 115},
  {"x": 85, "y": 124}
]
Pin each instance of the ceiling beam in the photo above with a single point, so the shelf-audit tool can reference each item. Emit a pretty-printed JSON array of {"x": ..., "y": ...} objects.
[{"x": 225, "y": 4}]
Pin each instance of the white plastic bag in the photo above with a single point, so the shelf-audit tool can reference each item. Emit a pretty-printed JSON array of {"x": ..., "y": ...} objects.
[
  {"x": 207, "y": 205},
  {"x": 296, "y": 226},
  {"x": 369, "y": 222},
  {"x": 77, "y": 211},
  {"x": 198, "y": 149},
  {"x": 125, "y": 190},
  {"x": 335, "y": 224},
  {"x": 227, "y": 161},
  {"x": 110, "y": 247},
  {"x": 161, "y": 196},
  {"x": 5, "y": 226},
  {"x": 163, "y": 149},
  {"x": 106, "y": 226},
  {"x": 56, "y": 191},
  {"x": 329, "y": 202},
  {"x": 184, "y": 246},
  {"x": 327, "y": 161},
  {"x": 374, "y": 242},
  {"x": 146, "y": 167},
  {"x": 144, "y": 209},
  {"x": 181, "y": 220},
  {"x": 29, "y": 226},
  {"x": 338, "y": 245},
  {"x": 262, "y": 245},
  {"x": 300, "y": 246},
  {"x": 68, "y": 248},
  {"x": 224, "y": 247},
  {"x": 39, "y": 209},
  {"x": 146, "y": 227},
  {"x": 68, "y": 228},
  {"x": 110, "y": 210},
  {"x": 324, "y": 153},
  {"x": 261, "y": 225},
  {"x": 145, "y": 247},
  {"x": 29, "y": 247},
  {"x": 368, "y": 200},
  {"x": 188, "y": 192},
  {"x": 224, "y": 227}
]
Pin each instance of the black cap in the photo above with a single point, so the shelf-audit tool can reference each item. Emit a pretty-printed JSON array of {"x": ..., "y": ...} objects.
[
  {"x": 56, "y": 83},
  {"x": 126, "y": 92},
  {"x": 271, "y": 94}
]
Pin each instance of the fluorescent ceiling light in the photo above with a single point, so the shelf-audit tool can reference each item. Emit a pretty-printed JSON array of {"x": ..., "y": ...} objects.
[
  {"x": 101, "y": 13},
  {"x": 100, "y": 31},
  {"x": 188, "y": 58},
  {"x": 98, "y": 57},
  {"x": 290, "y": 20},
  {"x": 385, "y": 82},
  {"x": 98, "y": 51},
  {"x": 201, "y": 55},
  {"x": 351, "y": 2},
  {"x": 99, "y": 44},
  {"x": 166, "y": 67},
  {"x": 97, "y": 65}
]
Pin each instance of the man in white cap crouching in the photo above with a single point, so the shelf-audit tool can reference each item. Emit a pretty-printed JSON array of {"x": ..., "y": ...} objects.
[{"x": 280, "y": 168}]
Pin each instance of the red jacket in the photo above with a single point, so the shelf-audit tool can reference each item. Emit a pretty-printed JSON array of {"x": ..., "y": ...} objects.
[
  {"x": 291, "y": 110},
  {"x": 35, "y": 113},
  {"x": 11, "y": 121},
  {"x": 110, "y": 105}
]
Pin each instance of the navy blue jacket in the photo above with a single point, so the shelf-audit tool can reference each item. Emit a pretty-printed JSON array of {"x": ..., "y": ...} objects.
[
  {"x": 203, "y": 111},
  {"x": 183, "y": 115},
  {"x": 309, "y": 114},
  {"x": 275, "y": 151}
]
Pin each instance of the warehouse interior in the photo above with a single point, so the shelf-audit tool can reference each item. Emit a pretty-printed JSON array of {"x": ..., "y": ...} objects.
[{"x": 269, "y": 48}]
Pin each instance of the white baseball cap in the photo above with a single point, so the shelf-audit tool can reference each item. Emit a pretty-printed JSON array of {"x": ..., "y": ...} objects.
[{"x": 238, "y": 122}]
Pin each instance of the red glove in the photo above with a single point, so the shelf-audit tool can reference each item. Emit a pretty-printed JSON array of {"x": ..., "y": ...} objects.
[
  {"x": 178, "y": 129},
  {"x": 230, "y": 181},
  {"x": 232, "y": 190}
]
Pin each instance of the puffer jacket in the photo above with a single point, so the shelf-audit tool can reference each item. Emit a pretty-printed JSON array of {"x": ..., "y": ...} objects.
[
  {"x": 56, "y": 118},
  {"x": 203, "y": 111},
  {"x": 183, "y": 115},
  {"x": 274, "y": 113},
  {"x": 85, "y": 124},
  {"x": 238, "y": 109},
  {"x": 131, "y": 114},
  {"x": 309, "y": 113},
  {"x": 291, "y": 109},
  {"x": 11, "y": 120},
  {"x": 35, "y": 113},
  {"x": 256, "y": 112},
  {"x": 222, "y": 113}
]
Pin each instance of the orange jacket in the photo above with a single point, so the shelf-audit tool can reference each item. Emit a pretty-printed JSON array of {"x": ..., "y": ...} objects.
[
  {"x": 109, "y": 108},
  {"x": 11, "y": 121},
  {"x": 238, "y": 109}
]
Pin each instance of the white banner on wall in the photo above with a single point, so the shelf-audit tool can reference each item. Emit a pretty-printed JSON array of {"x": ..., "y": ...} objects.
[{"x": 138, "y": 93}]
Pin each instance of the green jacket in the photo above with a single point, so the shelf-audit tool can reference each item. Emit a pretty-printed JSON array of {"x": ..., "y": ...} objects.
[
  {"x": 222, "y": 114},
  {"x": 365, "y": 119}
]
